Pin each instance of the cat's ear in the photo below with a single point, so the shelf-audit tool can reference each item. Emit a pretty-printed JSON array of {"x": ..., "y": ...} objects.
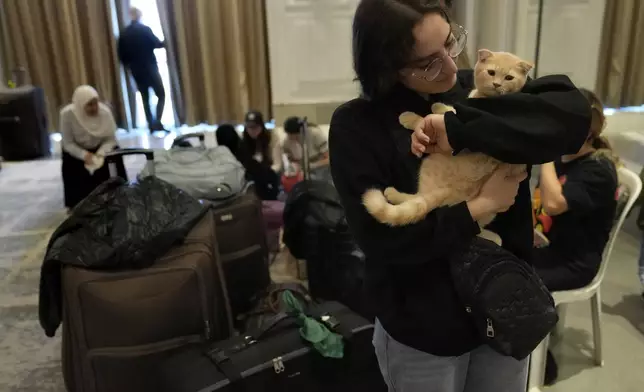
[
  {"x": 485, "y": 54},
  {"x": 525, "y": 66}
]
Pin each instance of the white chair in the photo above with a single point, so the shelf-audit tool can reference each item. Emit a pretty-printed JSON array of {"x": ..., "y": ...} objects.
[{"x": 538, "y": 358}]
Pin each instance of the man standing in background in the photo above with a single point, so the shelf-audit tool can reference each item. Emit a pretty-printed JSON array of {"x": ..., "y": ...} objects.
[{"x": 136, "y": 47}]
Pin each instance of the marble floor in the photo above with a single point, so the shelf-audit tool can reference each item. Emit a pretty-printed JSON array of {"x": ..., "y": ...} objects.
[{"x": 31, "y": 208}]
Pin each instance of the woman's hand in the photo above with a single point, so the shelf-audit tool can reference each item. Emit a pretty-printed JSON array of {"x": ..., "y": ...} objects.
[
  {"x": 498, "y": 192},
  {"x": 430, "y": 136},
  {"x": 89, "y": 158}
]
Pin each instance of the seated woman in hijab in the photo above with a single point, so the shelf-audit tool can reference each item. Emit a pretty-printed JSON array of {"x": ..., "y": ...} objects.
[
  {"x": 88, "y": 133},
  {"x": 267, "y": 182}
]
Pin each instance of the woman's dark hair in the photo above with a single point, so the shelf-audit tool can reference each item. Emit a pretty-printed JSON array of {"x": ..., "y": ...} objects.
[
  {"x": 383, "y": 40},
  {"x": 261, "y": 144}
]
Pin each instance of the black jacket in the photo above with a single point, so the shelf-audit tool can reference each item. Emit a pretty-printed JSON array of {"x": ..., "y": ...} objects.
[
  {"x": 116, "y": 227},
  {"x": 136, "y": 46},
  {"x": 407, "y": 270}
]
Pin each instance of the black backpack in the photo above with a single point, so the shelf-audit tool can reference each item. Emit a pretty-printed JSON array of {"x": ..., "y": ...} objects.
[
  {"x": 510, "y": 306},
  {"x": 315, "y": 229},
  {"x": 311, "y": 205}
]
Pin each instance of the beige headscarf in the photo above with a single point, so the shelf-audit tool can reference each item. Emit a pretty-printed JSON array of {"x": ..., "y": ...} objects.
[{"x": 102, "y": 124}]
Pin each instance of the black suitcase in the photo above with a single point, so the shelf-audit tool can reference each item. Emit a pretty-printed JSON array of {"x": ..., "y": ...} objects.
[
  {"x": 243, "y": 248},
  {"x": 279, "y": 360},
  {"x": 23, "y": 124}
]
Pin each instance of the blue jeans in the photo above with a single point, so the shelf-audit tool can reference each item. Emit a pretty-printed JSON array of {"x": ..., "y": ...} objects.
[{"x": 482, "y": 370}]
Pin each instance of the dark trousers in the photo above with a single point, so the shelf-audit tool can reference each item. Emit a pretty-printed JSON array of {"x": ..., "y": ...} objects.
[
  {"x": 78, "y": 183},
  {"x": 144, "y": 82},
  {"x": 559, "y": 273}
]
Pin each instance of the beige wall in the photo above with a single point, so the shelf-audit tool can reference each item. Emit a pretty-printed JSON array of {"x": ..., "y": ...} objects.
[
  {"x": 310, "y": 57},
  {"x": 318, "y": 113},
  {"x": 310, "y": 45}
]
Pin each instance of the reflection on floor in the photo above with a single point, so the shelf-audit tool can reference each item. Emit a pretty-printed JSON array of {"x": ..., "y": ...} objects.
[
  {"x": 31, "y": 208},
  {"x": 141, "y": 138}
]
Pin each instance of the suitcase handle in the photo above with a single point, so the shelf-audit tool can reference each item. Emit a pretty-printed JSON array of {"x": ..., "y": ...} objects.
[
  {"x": 224, "y": 201},
  {"x": 198, "y": 135},
  {"x": 10, "y": 120},
  {"x": 149, "y": 154},
  {"x": 112, "y": 156}
]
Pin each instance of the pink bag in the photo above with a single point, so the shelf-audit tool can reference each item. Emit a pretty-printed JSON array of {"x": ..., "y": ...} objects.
[{"x": 273, "y": 212}]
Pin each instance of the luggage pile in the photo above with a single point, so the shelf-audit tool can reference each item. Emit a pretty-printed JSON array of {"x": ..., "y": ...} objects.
[{"x": 159, "y": 290}]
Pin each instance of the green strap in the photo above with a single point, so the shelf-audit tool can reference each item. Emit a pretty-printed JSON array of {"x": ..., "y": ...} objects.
[{"x": 325, "y": 342}]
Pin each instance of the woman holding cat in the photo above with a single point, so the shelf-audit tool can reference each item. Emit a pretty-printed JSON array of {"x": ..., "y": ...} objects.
[{"x": 424, "y": 338}]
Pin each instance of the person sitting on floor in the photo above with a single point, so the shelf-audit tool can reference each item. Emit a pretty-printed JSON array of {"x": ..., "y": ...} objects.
[
  {"x": 317, "y": 143},
  {"x": 263, "y": 145},
  {"x": 88, "y": 133},
  {"x": 267, "y": 182},
  {"x": 575, "y": 211}
]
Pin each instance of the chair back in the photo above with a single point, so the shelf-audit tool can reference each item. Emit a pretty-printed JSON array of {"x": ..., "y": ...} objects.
[{"x": 633, "y": 184}]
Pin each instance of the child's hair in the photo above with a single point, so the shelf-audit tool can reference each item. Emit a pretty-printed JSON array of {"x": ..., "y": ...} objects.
[{"x": 597, "y": 126}]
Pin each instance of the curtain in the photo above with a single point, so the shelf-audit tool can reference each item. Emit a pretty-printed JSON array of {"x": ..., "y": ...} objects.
[
  {"x": 174, "y": 72},
  {"x": 63, "y": 44},
  {"x": 620, "y": 74},
  {"x": 218, "y": 58},
  {"x": 4, "y": 71},
  {"x": 123, "y": 19}
]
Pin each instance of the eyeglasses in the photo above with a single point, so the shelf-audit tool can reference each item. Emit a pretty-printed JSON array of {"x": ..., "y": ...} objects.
[{"x": 453, "y": 49}]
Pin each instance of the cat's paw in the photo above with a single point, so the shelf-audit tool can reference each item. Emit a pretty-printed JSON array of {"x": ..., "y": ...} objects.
[
  {"x": 409, "y": 120},
  {"x": 441, "y": 108},
  {"x": 390, "y": 194}
]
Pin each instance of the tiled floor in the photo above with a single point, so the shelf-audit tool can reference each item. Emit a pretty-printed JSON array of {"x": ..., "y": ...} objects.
[{"x": 31, "y": 206}]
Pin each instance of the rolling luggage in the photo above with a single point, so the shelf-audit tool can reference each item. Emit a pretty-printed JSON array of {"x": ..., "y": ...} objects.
[
  {"x": 205, "y": 173},
  {"x": 119, "y": 325},
  {"x": 243, "y": 248},
  {"x": 23, "y": 124},
  {"x": 276, "y": 358},
  {"x": 240, "y": 228},
  {"x": 273, "y": 212}
]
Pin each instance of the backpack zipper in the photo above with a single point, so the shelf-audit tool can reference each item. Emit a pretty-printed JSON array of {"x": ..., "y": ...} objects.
[
  {"x": 489, "y": 331},
  {"x": 278, "y": 365}
]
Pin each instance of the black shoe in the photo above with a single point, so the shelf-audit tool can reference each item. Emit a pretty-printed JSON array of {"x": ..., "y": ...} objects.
[
  {"x": 552, "y": 370},
  {"x": 158, "y": 126}
]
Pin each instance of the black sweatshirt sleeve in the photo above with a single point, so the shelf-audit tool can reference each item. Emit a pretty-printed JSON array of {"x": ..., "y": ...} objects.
[
  {"x": 547, "y": 119},
  {"x": 360, "y": 162},
  {"x": 589, "y": 185}
]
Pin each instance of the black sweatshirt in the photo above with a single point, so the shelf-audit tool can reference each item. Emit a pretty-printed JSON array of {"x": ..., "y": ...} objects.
[{"x": 408, "y": 275}]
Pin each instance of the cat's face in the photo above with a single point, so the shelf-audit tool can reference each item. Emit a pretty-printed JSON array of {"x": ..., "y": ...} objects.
[{"x": 498, "y": 73}]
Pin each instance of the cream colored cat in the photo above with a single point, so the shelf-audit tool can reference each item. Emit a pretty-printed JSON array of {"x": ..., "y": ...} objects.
[{"x": 448, "y": 180}]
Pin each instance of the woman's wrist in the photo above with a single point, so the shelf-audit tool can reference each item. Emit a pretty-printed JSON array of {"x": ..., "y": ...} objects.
[{"x": 480, "y": 207}]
